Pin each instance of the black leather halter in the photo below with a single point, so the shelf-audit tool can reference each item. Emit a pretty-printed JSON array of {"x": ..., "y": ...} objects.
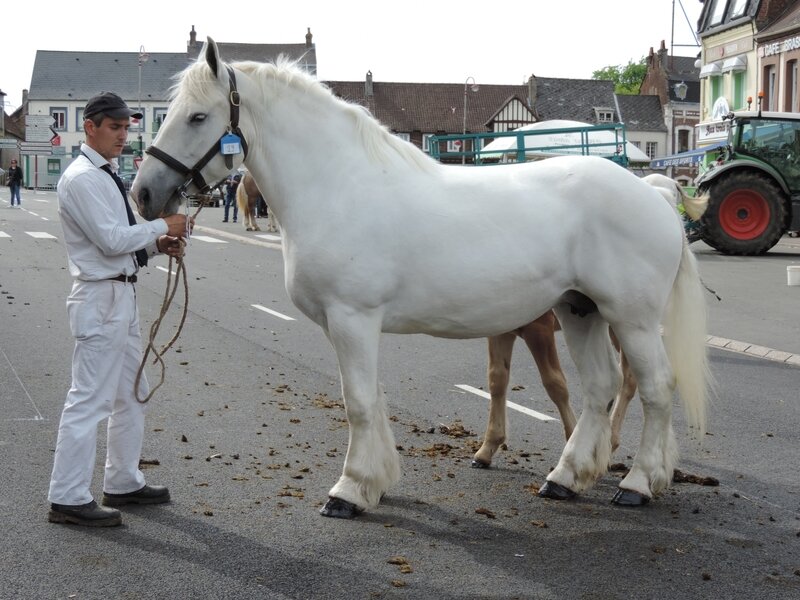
[{"x": 193, "y": 174}]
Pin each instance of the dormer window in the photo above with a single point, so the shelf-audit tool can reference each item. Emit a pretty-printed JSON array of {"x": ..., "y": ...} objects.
[{"x": 604, "y": 115}]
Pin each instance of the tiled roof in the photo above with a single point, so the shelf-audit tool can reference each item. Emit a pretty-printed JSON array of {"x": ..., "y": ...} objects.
[
  {"x": 641, "y": 113},
  {"x": 77, "y": 76},
  {"x": 439, "y": 107}
]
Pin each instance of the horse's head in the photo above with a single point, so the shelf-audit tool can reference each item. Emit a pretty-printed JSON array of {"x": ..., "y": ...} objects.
[{"x": 199, "y": 143}]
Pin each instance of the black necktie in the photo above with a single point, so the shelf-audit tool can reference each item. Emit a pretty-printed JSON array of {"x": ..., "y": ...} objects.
[{"x": 141, "y": 255}]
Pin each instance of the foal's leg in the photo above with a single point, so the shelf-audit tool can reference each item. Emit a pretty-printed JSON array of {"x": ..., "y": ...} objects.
[
  {"x": 500, "y": 349},
  {"x": 541, "y": 340},
  {"x": 625, "y": 395},
  {"x": 372, "y": 464},
  {"x": 588, "y": 450},
  {"x": 654, "y": 462}
]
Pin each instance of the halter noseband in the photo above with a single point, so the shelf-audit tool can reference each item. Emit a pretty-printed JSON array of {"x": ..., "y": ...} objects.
[{"x": 194, "y": 176}]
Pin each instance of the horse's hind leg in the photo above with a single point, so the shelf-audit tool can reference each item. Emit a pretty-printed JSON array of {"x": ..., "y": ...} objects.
[
  {"x": 654, "y": 462},
  {"x": 541, "y": 341},
  {"x": 588, "y": 450},
  {"x": 499, "y": 369},
  {"x": 624, "y": 396},
  {"x": 372, "y": 464}
]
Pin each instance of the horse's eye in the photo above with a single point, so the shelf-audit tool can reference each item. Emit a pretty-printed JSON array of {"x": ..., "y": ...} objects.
[{"x": 197, "y": 118}]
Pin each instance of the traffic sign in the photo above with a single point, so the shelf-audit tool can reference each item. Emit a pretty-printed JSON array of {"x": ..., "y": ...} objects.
[
  {"x": 8, "y": 143},
  {"x": 38, "y": 134},
  {"x": 39, "y": 121},
  {"x": 35, "y": 148}
]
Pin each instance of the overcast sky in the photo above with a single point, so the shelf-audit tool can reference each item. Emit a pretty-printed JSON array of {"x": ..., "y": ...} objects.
[{"x": 443, "y": 41}]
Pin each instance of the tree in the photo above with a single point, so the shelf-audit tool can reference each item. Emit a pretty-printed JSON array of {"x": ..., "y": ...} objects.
[{"x": 627, "y": 79}]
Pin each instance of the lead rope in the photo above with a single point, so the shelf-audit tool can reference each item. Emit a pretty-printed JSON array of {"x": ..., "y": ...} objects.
[{"x": 169, "y": 293}]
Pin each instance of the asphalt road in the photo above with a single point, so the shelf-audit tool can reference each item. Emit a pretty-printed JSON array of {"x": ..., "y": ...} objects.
[{"x": 249, "y": 432}]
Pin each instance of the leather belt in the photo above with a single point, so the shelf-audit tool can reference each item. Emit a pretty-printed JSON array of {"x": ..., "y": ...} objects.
[{"x": 123, "y": 278}]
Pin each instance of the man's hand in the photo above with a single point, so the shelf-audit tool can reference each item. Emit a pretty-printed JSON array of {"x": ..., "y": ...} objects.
[
  {"x": 177, "y": 224},
  {"x": 172, "y": 246}
]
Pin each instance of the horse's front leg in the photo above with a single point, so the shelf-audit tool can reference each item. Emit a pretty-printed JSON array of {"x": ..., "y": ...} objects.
[
  {"x": 498, "y": 371},
  {"x": 372, "y": 464}
]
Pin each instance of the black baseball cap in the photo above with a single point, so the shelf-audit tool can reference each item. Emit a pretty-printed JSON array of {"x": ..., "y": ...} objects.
[{"x": 111, "y": 105}]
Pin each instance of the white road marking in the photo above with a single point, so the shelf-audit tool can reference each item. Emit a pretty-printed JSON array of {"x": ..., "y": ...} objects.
[
  {"x": 269, "y": 236},
  {"x": 272, "y": 312},
  {"x": 43, "y": 235},
  {"x": 523, "y": 409},
  {"x": 4, "y": 234},
  {"x": 166, "y": 270},
  {"x": 209, "y": 239}
]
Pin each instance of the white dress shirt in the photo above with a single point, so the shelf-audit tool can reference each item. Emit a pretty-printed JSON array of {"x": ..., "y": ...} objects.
[{"x": 100, "y": 242}]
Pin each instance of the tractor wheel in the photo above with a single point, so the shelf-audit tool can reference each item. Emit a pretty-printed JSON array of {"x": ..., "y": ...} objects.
[{"x": 746, "y": 214}]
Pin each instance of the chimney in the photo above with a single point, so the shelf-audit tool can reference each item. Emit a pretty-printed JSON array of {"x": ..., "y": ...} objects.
[
  {"x": 532, "y": 93},
  {"x": 662, "y": 56},
  {"x": 308, "y": 38},
  {"x": 192, "y": 40},
  {"x": 368, "y": 85}
]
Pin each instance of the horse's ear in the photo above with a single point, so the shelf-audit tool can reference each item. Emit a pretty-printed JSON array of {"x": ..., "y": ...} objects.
[{"x": 212, "y": 56}]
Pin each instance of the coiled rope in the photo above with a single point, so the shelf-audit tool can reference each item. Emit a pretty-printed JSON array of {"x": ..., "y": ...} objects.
[{"x": 169, "y": 294}]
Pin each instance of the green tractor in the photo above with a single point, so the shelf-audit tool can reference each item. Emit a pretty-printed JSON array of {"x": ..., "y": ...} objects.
[{"x": 754, "y": 185}]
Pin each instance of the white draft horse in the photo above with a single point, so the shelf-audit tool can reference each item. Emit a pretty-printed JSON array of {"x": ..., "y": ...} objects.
[
  {"x": 378, "y": 237},
  {"x": 539, "y": 336}
]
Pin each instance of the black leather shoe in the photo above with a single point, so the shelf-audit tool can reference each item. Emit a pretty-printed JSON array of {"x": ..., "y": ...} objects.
[
  {"x": 89, "y": 515},
  {"x": 149, "y": 494}
]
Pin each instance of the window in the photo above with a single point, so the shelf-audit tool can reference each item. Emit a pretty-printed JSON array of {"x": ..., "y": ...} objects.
[
  {"x": 60, "y": 118},
  {"x": 54, "y": 166},
  {"x": 737, "y": 8},
  {"x": 791, "y": 104},
  {"x": 683, "y": 140},
  {"x": 739, "y": 101},
  {"x": 717, "y": 12},
  {"x": 454, "y": 145},
  {"x": 716, "y": 88},
  {"x": 426, "y": 142},
  {"x": 651, "y": 148},
  {"x": 604, "y": 115},
  {"x": 159, "y": 116},
  {"x": 770, "y": 87},
  {"x": 406, "y": 137},
  {"x": 79, "y": 119}
]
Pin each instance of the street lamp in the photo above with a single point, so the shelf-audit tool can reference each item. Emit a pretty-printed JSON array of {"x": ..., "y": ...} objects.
[
  {"x": 143, "y": 56},
  {"x": 474, "y": 88},
  {"x": 680, "y": 90}
]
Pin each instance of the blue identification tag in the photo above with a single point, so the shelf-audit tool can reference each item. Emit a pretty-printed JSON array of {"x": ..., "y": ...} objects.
[{"x": 230, "y": 144}]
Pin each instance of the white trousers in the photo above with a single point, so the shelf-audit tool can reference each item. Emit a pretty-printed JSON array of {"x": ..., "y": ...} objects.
[{"x": 104, "y": 320}]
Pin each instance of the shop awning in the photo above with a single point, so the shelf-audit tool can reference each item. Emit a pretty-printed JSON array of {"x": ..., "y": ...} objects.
[
  {"x": 735, "y": 63},
  {"x": 684, "y": 159},
  {"x": 710, "y": 69}
]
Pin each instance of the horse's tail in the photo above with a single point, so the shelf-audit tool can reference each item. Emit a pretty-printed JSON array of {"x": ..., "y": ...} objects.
[
  {"x": 694, "y": 206},
  {"x": 241, "y": 197},
  {"x": 685, "y": 341}
]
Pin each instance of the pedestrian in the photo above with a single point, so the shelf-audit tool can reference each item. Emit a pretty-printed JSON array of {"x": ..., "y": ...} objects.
[
  {"x": 230, "y": 196},
  {"x": 105, "y": 249},
  {"x": 14, "y": 181}
]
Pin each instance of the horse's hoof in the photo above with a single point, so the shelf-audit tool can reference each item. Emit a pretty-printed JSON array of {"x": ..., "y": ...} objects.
[
  {"x": 476, "y": 464},
  {"x": 337, "y": 508},
  {"x": 629, "y": 498},
  {"x": 556, "y": 491}
]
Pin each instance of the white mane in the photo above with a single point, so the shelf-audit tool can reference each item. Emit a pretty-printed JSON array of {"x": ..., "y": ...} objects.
[{"x": 379, "y": 143}]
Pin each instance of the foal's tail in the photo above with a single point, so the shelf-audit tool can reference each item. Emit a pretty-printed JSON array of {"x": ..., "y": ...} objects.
[
  {"x": 685, "y": 341},
  {"x": 241, "y": 198}
]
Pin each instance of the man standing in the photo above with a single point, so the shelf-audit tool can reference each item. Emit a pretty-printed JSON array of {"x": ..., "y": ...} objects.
[
  {"x": 105, "y": 248},
  {"x": 14, "y": 181}
]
